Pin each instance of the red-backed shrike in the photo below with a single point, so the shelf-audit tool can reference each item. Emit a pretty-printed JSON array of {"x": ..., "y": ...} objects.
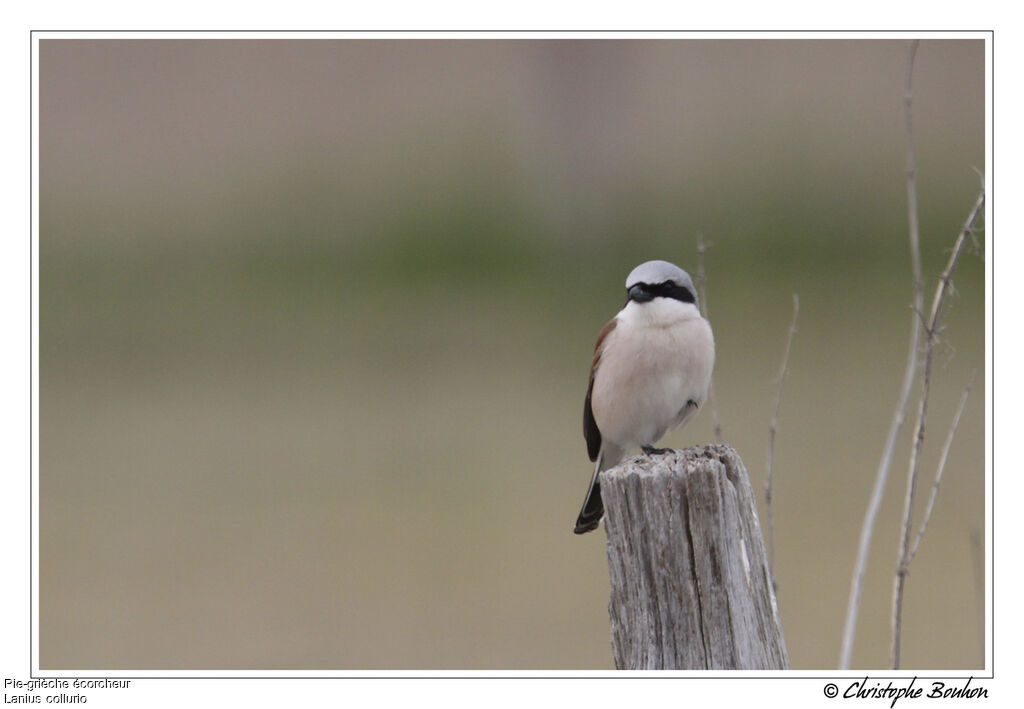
[{"x": 650, "y": 374}]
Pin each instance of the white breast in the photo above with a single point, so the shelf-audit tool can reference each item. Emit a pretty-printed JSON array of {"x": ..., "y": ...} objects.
[{"x": 658, "y": 358}]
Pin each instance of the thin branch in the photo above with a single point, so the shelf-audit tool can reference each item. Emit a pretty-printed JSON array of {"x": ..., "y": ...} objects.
[
  {"x": 915, "y": 249},
  {"x": 769, "y": 512},
  {"x": 940, "y": 469},
  {"x": 931, "y": 333},
  {"x": 909, "y": 373},
  {"x": 701, "y": 290}
]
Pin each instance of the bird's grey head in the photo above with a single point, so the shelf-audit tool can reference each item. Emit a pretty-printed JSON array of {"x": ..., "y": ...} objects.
[{"x": 660, "y": 279}]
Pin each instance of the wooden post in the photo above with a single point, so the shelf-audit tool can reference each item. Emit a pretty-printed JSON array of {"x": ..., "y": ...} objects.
[{"x": 690, "y": 583}]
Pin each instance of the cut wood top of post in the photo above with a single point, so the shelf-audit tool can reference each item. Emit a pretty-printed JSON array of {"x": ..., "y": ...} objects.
[{"x": 677, "y": 461}]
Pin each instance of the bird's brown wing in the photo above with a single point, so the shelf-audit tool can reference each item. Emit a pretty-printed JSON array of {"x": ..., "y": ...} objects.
[{"x": 590, "y": 430}]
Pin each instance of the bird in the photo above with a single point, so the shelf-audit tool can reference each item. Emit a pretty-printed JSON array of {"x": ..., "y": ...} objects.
[{"x": 650, "y": 373}]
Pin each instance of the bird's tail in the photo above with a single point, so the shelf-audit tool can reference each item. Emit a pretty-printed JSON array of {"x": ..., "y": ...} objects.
[{"x": 593, "y": 506}]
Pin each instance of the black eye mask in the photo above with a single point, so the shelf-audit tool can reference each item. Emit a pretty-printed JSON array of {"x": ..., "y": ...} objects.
[{"x": 643, "y": 292}]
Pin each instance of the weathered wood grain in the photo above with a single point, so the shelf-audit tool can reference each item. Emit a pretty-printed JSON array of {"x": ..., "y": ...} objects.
[{"x": 689, "y": 574}]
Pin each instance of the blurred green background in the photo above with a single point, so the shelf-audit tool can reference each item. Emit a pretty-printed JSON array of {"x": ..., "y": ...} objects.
[{"x": 316, "y": 318}]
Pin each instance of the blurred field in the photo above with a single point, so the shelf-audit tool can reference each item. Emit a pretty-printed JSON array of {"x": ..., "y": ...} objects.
[{"x": 316, "y": 318}]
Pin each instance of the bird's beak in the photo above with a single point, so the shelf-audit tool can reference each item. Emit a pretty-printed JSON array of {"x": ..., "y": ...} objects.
[{"x": 639, "y": 293}]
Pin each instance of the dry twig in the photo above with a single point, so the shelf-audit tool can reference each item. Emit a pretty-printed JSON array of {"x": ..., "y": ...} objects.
[
  {"x": 940, "y": 469},
  {"x": 702, "y": 292},
  {"x": 769, "y": 512},
  {"x": 899, "y": 415},
  {"x": 931, "y": 335}
]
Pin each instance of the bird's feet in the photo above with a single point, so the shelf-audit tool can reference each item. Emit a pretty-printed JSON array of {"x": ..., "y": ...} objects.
[{"x": 651, "y": 450}]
